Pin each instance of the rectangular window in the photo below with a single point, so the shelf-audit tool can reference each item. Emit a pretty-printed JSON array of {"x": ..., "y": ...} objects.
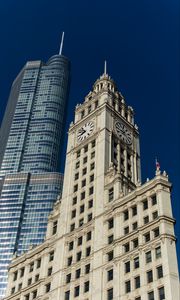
[
  {"x": 161, "y": 293},
  {"x": 27, "y": 297},
  {"x": 81, "y": 222},
  {"x": 111, "y": 194},
  {"x": 69, "y": 261},
  {"x": 110, "y": 255},
  {"x": 149, "y": 276},
  {"x": 110, "y": 275},
  {"x": 84, "y": 171},
  {"x": 154, "y": 200},
  {"x": 78, "y": 153},
  {"x": 71, "y": 244},
  {"x": 54, "y": 229},
  {"x": 36, "y": 277},
  {"x": 85, "y": 160},
  {"x": 73, "y": 213},
  {"x": 89, "y": 109},
  {"x": 15, "y": 276},
  {"x": 134, "y": 225},
  {"x": 127, "y": 286},
  {"x": 126, "y": 247},
  {"x": 72, "y": 226},
  {"x": 88, "y": 251},
  {"x": 155, "y": 215},
  {"x": 110, "y": 239},
  {"x": 48, "y": 287},
  {"x": 159, "y": 272},
  {"x": 81, "y": 210},
  {"x": 156, "y": 232},
  {"x": 91, "y": 190},
  {"x": 80, "y": 241},
  {"x": 148, "y": 257},
  {"x": 74, "y": 201},
  {"x": 158, "y": 252},
  {"x": 78, "y": 273},
  {"x": 135, "y": 243},
  {"x": 83, "y": 183},
  {"x": 93, "y": 143},
  {"x": 145, "y": 204},
  {"x": 134, "y": 210},
  {"x": 151, "y": 296},
  {"x": 93, "y": 154},
  {"x": 146, "y": 219},
  {"x": 85, "y": 148},
  {"x": 31, "y": 267},
  {"x": 127, "y": 267},
  {"x": 49, "y": 272},
  {"x": 68, "y": 278},
  {"x": 136, "y": 262},
  {"x": 126, "y": 215},
  {"x": 78, "y": 256},
  {"x": 34, "y": 294},
  {"x": 86, "y": 286},
  {"x": 147, "y": 237},
  {"x": 88, "y": 236},
  {"x": 137, "y": 282},
  {"x": 29, "y": 281},
  {"x": 110, "y": 294},
  {"x": 92, "y": 166},
  {"x": 76, "y": 176},
  {"x": 110, "y": 223},
  {"x": 77, "y": 164},
  {"x": 22, "y": 272},
  {"x": 91, "y": 178},
  {"x": 67, "y": 295},
  {"x": 90, "y": 203},
  {"x": 76, "y": 291},
  {"x": 126, "y": 230},
  {"x": 75, "y": 188},
  {"x": 89, "y": 217},
  {"x": 87, "y": 269},
  {"x": 83, "y": 194}
]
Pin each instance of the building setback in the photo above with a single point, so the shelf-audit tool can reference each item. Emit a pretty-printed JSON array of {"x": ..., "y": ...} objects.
[
  {"x": 109, "y": 236},
  {"x": 31, "y": 138}
]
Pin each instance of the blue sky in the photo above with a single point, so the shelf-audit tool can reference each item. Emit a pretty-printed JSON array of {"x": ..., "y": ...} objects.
[{"x": 139, "y": 40}]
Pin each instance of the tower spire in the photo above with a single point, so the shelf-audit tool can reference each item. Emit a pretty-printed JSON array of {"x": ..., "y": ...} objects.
[
  {"x": 105, "y": 67},
  {"x": 61, "y": 45}
]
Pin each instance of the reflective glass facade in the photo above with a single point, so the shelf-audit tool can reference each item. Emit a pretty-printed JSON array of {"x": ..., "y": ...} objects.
[{"x": 30, "y": 137}]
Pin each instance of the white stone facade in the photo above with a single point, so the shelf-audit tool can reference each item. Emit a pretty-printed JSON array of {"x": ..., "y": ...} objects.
[{"x": 109, "y": 237}]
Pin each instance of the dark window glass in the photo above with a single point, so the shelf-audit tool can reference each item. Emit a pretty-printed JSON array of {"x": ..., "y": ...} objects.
[
  {"x": 154, "y": 200},
  {"x": 91, "y": 190},
  {"x": 110, "y": 255},
  {"x": 78, "y": 273},
  {"x": 155, "y": 215},
  {"x": 110, "y": 275},
  {"x": 88, "y": 236},
  {"x": 136, "y": 262},
  {"x": 159, "y": 272},
  {"x": 148, "y": 257},
  {"x": 135, "y": 243},
  {"x": 134, "y": 210},
  {"x": 111, "y": 194},
  {"x": 83, "y": 194},
  {"x": 110, "y": 223},
  {"x": 81, "y": 222},
  {"x": 126, "y": 215},
  {"x": 147, "y": 237},
  {"x": 49, "y": 271},
  {"x": 74, "y": 200},
  {"x": 86, "y": 286},
  {"x": 149, "y": 276},
  {"x": 90, "y": 203},
  {"x": 80, "y": 241},
  {"x": 127, "y": 267},
  {"x": 88, "y": 251},
  {"x": 67, "y": 295},
  {"x": 161, "y": 293},
  {"x": 134, "y": 225},
  {"x": 69, "y": 261},
  {"x": 158, "y": 252},
  {"x": 48, "y": 287},
  {"x": 73, "y": 214},
  {"x": 76, "y": 176},
  {"x": 87, "y": 269},
  {"x": 76, "y": 291},
  {"x": 72, "y": 227},
  {"x": 110, "y": 239},
  {"x": 126, "y": 247},
  {"x": 127, "y": 286},
  {"x": 110, "y": 294},
  {"x": 38, "y": 263},
  {"x": 84, "y": 171},
  {"x": 89, "y": 217},
  {"x": 71, "y": 244},
  {"x": 78, "y": 256},
  {"x": 145, "y": 204},
  {"x": 146, "y": 219},
  {"x": 68, "y": 278},
  {"x": 151, "y": 296},
  {"x": 137, "y": 282},
  {"x": 156, "y": 232},
  {"x": 126, "y": 230},
  {"x": 81, "y": 209}
]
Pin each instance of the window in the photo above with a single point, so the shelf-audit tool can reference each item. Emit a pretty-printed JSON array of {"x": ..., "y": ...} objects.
[
  {"x": 81, "y": 209},
  {"x": 138, "y": 298},
  {"x": 134, "y": 225},
  {"x": 134, "y": 210},
  {"x": 92, "y": 166},
  {"x": 96, "y": 104},
  {"x": 147, "y": 237},
  {"x": 110, "y": 275},
  {"x": 72, "y": 226},
  {"x": 154, "y": 200},
  {"x": 126, "y": 247},
  {"x": 77, "y": 164},
  {"x": 19, "y": 286},
  {"x": 79, "y": 241},
  {"x": 78, "y": 256},
  {"x": 34, "y": 294},
  {"x": 69, "y": 260},
  {"x": 91, "y": 178},
  {"x": 110, "y": 239},
  {"x": 145, "y": 204},
  {"x": 127, "y": 267},
  {"x": 82, "y": 115},
  {"x": 91, "y": 190},
  {"x": 146, "y": 219},
  {"x": 159, "y": 272},
  {"x": 54, "y": 229},
  {"x": 85, "y": 148},
  {"x": 86, "y": 286},
  {"x": 76, "y": 176},
  {"x": 36, "y": 277},
  {"x": 88, "y": 251},
  {"x": 137, "y": 282},
  {"x": 89, "y": 217},
  {"x": 158, "y": 252},
  {"x": 48, "y": 287},
  {"x": 68, "y": 278},
  {"x": 29, "y": 281},
  {"x": 128, "y": 286},
  {"x": 83, "y": 194},
  {"x": 110, "y": 294},
  {"x": 78, "y": 273},
  {"x": 27, "y": 297},
  {"x": 83, "y": 183},
  {"x": 151, "y": 296},
  {"x": 93, "y": 143},
  {"x": 67, "y": 295},
  {"x": 71, "y": 245},
  {"x": 88, "y": 236},
  {"x": 85, "y": 160},
  {"x": 136, "y": 262},
  {"x": 135, "y": 243},
  {"x": 110, "y": 255},
  {"x": 156, "y": 232},
  {"x": 31, "y": 267},
  {"x": 13, "y": 290},
  {"x": 89, "y": 109},
  {"x": 15, "y": 276},
  {"x": 110, "y": 223},
  {"x": 38, "y": 263},
  {"x": 76, "y": 291},
  {"x": 21, "y": 272},
  {"x": 73, "y": 214},
  {"x": 81, "y": 222},
  {"x": 75, "y": 188},
  {"x": 126, "y": 215},
  {"x": 78, "y": 153},
  {"x": 111, "y": 194},
  {"x": 87, "y": 269},
  {"x": 74, "y": 200},
  {"x": 161, "y": 293},
  {"x": 148, "y": 257},
  {"x": 93, "y": 154},
  {"x": 149, "y": 276},
  {"x": 84, "y": 171},
  {"x": 155, "y": 215},
  {"x": 90, "y": 203}
]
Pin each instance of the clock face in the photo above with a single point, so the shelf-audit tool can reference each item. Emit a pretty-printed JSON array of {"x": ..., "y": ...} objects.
[
  {"x": 123, "y": 133},
  {"x": 85, "y": 131}
]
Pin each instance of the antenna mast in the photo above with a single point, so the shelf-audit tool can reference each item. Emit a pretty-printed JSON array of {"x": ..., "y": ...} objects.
[
  {"x": 61, "y": 45},
  {"x": 105, "y": 67}
]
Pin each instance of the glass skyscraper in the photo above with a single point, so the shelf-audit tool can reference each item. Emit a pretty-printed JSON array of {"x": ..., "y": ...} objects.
[{"x": 30, "y": 147}]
